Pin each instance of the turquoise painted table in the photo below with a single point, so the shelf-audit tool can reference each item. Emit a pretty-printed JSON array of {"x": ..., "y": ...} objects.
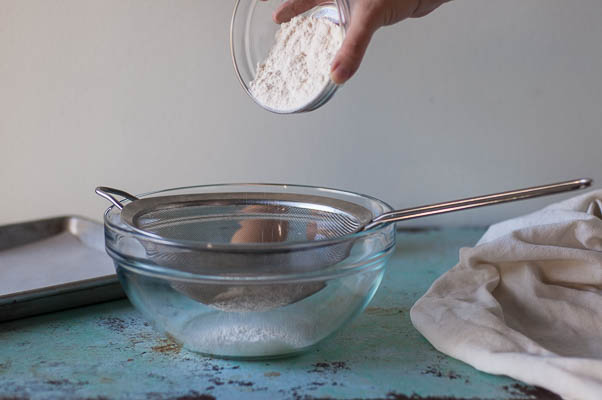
[{"x": 110, "y": 351}]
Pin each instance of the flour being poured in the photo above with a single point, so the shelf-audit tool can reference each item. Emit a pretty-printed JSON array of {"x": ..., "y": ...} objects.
[{"x": 297, "y": 67}]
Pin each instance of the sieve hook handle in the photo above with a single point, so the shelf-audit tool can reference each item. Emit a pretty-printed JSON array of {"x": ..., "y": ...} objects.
[{"x": 108, "y": 193}]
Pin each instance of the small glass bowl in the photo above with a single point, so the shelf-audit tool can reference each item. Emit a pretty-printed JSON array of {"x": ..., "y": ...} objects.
[
  {"x": 252, "y": 35},
  {"x": 172, "y": 297}
]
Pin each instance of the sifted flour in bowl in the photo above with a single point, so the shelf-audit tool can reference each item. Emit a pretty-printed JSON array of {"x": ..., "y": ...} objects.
[{"x": 297, "y": 67}]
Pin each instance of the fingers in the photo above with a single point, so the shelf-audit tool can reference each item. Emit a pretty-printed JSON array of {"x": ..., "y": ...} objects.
[
  {"x": 368, "y": 16},
  {"x": 365, "y": 21},
  {"x": 292, "y": 8},
  {"x": 426, "y": 7}
]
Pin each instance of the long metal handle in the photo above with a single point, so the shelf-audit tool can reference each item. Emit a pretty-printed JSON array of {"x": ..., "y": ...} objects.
[
  {"x": 107, "y": 193},
  {"x": 480, "y": 201}
]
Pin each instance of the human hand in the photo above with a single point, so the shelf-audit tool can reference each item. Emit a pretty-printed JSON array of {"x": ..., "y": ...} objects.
[{"x": 367, "y": 17}]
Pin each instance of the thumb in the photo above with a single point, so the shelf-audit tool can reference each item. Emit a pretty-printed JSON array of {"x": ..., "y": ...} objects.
[{"x": 364, "y": 23}]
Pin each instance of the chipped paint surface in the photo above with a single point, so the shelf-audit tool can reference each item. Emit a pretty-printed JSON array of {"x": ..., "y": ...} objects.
[{"x": 109, "y": 351}]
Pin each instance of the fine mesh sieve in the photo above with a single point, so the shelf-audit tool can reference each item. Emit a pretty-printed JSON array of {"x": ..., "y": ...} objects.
[
  {"x": 255, "y": 217},
  {"x": 245, "y": 234},
  {"x": 265, "y": 222}
]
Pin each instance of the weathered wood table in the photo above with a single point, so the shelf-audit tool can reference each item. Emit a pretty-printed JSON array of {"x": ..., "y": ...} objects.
[{"x": 110, "y": 351}]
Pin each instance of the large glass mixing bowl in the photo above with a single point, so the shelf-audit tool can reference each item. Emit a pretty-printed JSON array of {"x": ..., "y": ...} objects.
[
  {"x": 213, "y": 294},
  {"x": 252, "y": 35}
]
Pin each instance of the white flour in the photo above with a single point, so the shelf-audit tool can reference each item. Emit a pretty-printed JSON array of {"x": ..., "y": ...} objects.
[
  {"x": 230, "y": 334},
  {"x": 298, "y": 65}
]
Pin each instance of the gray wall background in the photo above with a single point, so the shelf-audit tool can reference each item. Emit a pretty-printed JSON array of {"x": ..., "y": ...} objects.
[{"x": 480, "y": 96}]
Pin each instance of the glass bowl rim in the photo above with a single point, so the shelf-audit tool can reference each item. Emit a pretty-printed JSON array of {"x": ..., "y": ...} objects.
[{"x": 246, "y": 247}]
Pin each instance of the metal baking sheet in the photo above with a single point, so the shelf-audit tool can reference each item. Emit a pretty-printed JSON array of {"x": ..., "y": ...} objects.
[{"x": 54, "y": 264}]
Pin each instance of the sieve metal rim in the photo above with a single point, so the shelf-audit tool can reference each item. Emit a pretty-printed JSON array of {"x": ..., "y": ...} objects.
[{"x": 126, "y": 228}]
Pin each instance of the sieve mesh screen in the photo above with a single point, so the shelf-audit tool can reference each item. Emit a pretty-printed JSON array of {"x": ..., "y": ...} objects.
[{"x": 249, "y": 221}]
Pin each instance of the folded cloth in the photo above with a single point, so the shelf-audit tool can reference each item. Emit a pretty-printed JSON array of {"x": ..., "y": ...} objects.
[{"x": 526, "y": 301}]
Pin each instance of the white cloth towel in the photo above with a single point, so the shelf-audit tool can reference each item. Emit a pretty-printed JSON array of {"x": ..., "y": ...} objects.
[{"x": 526, "y": 301}]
